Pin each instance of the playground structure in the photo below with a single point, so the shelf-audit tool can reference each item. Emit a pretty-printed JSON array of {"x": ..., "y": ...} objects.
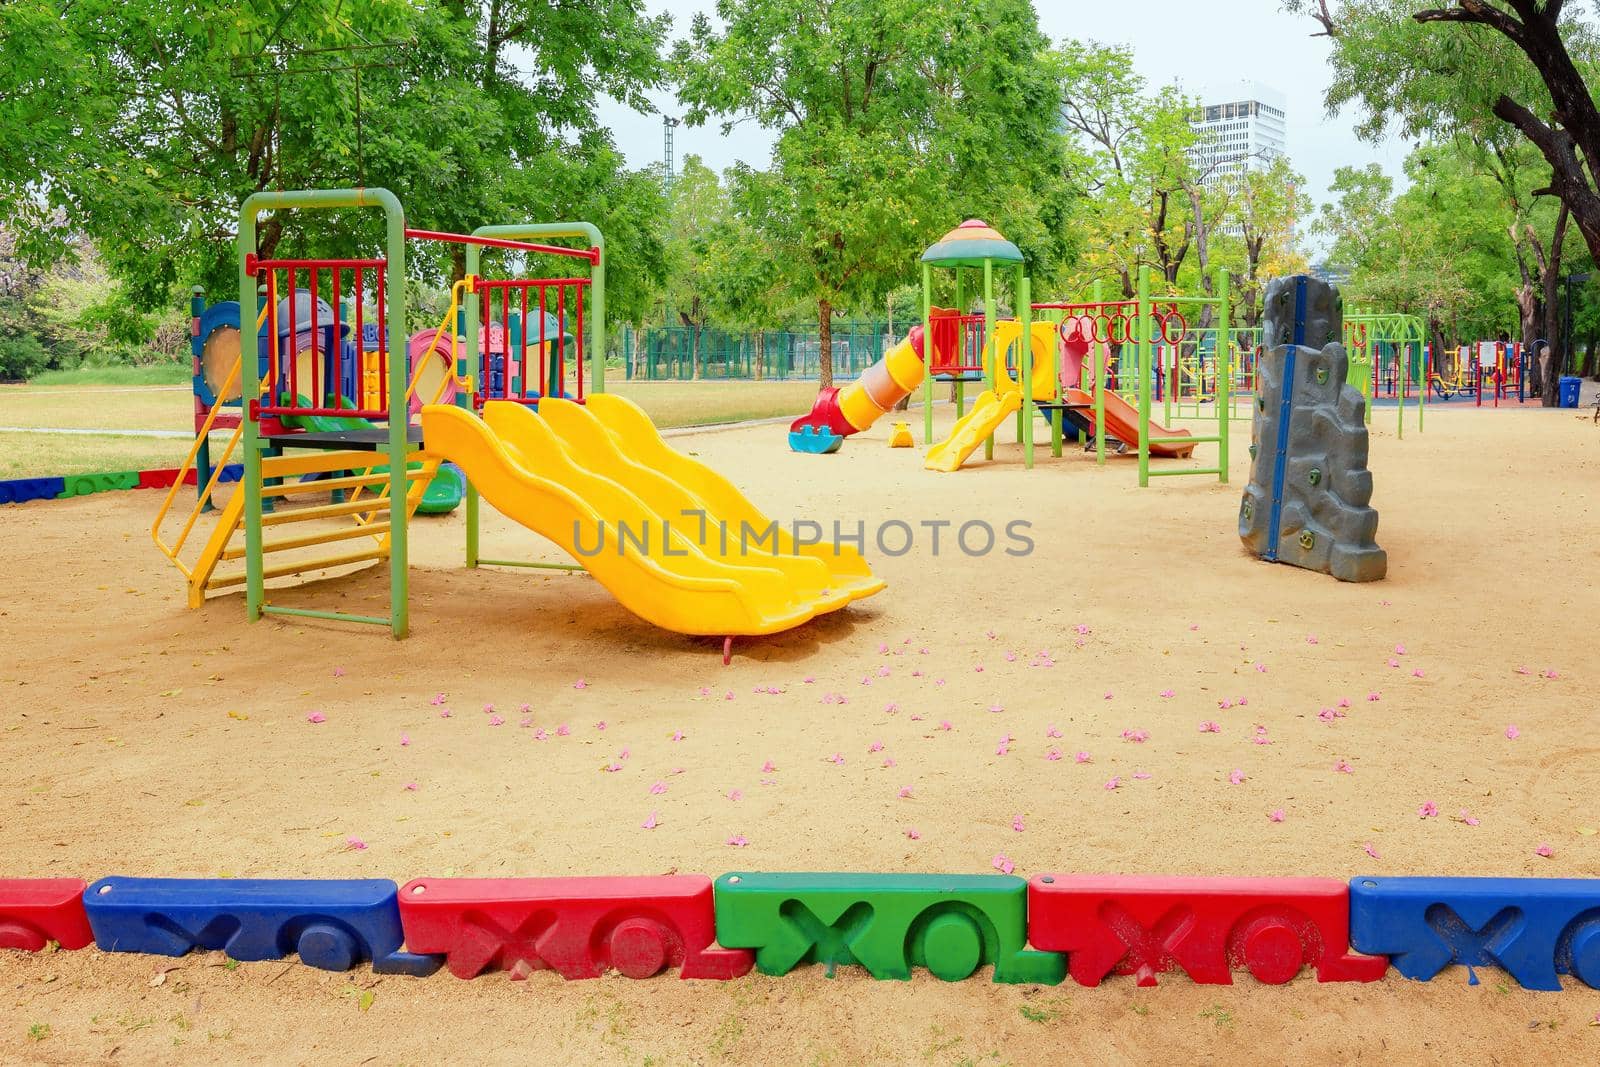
[{"x": 547, "y": 448}]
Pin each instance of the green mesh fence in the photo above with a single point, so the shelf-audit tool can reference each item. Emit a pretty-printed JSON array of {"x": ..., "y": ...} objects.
[{"x": 667, "y": 353}]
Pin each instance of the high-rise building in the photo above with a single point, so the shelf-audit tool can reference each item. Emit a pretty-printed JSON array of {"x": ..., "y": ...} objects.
[{"x": 1240, "y": 127}]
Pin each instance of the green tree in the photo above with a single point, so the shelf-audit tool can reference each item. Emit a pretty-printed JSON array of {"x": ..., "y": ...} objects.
[
  {"x": 1477, "y": 69},
  {"x": 1266, "y": 204},
  {"x": 698, "y": 206},
  {"x": 894, "y": 119},
  {"x": 151, "y": 122}
]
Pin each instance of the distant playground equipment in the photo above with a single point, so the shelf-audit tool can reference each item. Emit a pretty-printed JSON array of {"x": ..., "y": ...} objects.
[
  {"x": 1389, "y": 360},
  {"x": 1308, "y": 502},
  {"x": 547, "y": 448},
  {"x": 1065, "y": 362},
  {"x": 1496, "y": 369},
  {"x": 900, "y": 436}
]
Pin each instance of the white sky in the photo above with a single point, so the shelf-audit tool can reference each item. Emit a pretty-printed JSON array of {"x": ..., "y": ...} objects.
[{"x": 1189, "y": 42}]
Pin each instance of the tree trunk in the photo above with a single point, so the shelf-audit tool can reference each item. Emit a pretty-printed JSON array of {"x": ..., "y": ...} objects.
[
  {"x": 1550, "y": 282},
  {"x": 1528, "y": 306},
  {"x": 824, "y": 344}
]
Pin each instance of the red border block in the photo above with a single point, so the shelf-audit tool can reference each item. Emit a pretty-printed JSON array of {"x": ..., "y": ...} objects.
[
  {"x": 1205, "y": 927},
  {"x": 34, "y": 911},
  {"x": 577, "y": 927}
]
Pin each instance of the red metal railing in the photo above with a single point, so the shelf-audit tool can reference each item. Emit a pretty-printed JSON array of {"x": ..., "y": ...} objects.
[
  {"x": 512, "y": 379},
  {"x": 590, "y": 254},
  {"x": 958, "y": 344},
  {"x": 327, "y": 355}
]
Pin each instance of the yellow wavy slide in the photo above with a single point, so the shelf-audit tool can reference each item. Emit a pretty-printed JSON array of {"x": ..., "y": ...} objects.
[
  {"x": 572, "y": 488},
  {"x": 973, "y": 429}
]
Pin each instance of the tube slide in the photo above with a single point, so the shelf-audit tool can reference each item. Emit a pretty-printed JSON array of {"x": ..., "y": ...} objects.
[{"x": 843, "y": 410}]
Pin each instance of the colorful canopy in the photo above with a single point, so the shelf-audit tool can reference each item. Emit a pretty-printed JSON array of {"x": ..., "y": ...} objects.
[{"x": 970, "y": 245}]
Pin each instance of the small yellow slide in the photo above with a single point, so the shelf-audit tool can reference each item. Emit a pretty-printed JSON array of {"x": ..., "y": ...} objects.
[
  {"x": 567, "y": 475},
  {"x": 973, "y": 429}
]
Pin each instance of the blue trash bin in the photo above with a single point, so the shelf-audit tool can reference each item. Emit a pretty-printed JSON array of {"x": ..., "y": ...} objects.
[{"x": 1569, "y": 388}]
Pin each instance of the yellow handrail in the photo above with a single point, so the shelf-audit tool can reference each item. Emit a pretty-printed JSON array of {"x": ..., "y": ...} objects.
[{"x": 194, "y": 450}]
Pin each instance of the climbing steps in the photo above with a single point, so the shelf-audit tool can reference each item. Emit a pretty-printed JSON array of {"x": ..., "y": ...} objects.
[{"x": 292, "y": 531}]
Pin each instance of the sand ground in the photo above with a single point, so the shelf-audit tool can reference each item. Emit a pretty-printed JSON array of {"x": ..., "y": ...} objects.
[{"x": 140, "y": 738}]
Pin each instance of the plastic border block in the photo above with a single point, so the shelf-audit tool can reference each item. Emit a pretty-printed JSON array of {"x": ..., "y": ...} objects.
[
  {"x": 814, "y": 441},
  {"x": 333, "y": 925},
  {"x": 36, "y": 911},
  {"x": 22, "y": 490},
  {"x": 577, "y": 927},
  {"x": 1533, "y": 928},
  {"x": 85, "y": 484},
  {"x": 952, "y": 924},
  {"x": 1206, "y": 927}
]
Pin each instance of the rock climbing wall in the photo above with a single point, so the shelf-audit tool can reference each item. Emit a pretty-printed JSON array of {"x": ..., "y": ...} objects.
[{"x": 1308, "y": 501}]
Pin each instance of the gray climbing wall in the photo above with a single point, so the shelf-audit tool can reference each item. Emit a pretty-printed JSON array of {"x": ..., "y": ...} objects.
[{"x": 1309, "y": 455}]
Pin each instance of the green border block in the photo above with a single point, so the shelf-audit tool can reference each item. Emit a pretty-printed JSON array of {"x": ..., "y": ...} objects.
[
  {"x": 85, "y": 484},
  {"x": 952, "y": 924}
]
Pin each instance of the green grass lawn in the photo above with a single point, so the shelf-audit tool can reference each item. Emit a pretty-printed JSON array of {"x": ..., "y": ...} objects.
[{"x": 154, "y": 407}]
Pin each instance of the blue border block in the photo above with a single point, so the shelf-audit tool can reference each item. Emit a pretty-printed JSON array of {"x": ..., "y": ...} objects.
[
  {"x": 815, "y": 441},
  {"x": 1533, "y": 928},
  {"x": 332, "y": 925},
  {"x": 22, "y": 490}
]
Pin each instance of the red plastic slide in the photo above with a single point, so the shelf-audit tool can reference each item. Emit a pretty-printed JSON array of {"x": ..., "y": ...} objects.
[{"x": 1122, "y": 422}]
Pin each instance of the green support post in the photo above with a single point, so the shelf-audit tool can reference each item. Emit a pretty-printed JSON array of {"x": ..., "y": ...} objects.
[
  {"x": 1224, "y": 356},
  {"x": 1100, "y": 387},
  {"x": 1142, "y": 330},
  {"x": 1025, "y": 364},
  {"x": 927, "y": 355},
  {"x": 990, "y": 371},
  {"x": 396, "y": 447}
]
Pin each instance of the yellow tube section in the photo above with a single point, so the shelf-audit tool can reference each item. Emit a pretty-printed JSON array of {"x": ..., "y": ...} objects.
[{"x": 881, "y": 386}]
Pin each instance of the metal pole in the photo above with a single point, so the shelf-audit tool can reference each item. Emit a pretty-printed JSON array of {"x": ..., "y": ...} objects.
[
  {"x": 991, "y": 372},
  {"x": 1025, "y": 363},
  {"x": 1100, "y": 382},
  {"x": 927, "y": 353},
  {"x": 1143, "y": 331},
  {"x": 1224, "y": 359}
]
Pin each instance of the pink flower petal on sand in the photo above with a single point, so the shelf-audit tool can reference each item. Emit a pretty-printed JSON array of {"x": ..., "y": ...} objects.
[
  {"x": 990, "y": 635},
  {"x": 1417, "y": 673},
  {"x": 601, "y": 725},
  {"x": 888, "y": 761},
  {"x": 1344, "y": 702},
  {"x": 1235, "y": 776},
  {"x": 1051, "y": 731},
  {"x": 488, "y": 709},
  {"x": 1001, "y": 749},
  {"x": 891, "y": 708},
  {"x": 1512, "y": 732},
  {"x": 837, "y": 759},
  {"x": 1001, "y": 864},
  {"x": 1326, "y": 715},
  {"x": 736, "y": 794},
  {"x": 1082, "y": 757},
  {"x": 905, "y": 792},
  {"x": 977, "y": 668},
  {"x": 1544, "y": 850},
  {"x": 338, "y": 672},
  {"x": 1276, "y": 815},
  {"x": 1523, "y": 670},
  {"x": 678, "y": 735},
  {"x": 1108, "y": 694},
  {"x": 738, "y": 841},
  {"x": 1209, "y": 727},
  {"x": 658, "y": 788},
  {"x": 1137, "y": 737},
  {"x": 436, "y": 701},
  {"x": 1114, "y": 782},
  {"x": 1467, "y": 817},
  {"x": 525, "y": 723},
  {"x": 1141, "y": 776},
  {"x": 444, "y": 713},
  {"x": 1243, "y": 702},
  {"x": 405, "y": 740},
  {"x": 1011, "y": 657},
  {"x": 612, "y": 768},
  {"x": 944, "y": 724},
  {"x": 539, "y": 734},
  {"x": 1393, "y": 662},
  {"x": 316, "y": 717},
  {"x": 1224, "y": 703},
  {"x": 768, "y": 767},
  {"x": 1168, "y": 694},
  {"x": 808, "y": 680},
  {"x": 1311, "y": 639},
  {"x": 1017, "y": 824},
  {"x": 580, "y": 684},
  {"x": 495, "y": 720},
  {"x": 1428, "y": 810},
  {"x": 1369, "y": 850},
  {"x": 876, "y": 746},
  {"x": 411, "y": 787},
  {"x": 355, "y": 844},
  {"x": 997, "y": 708},
  {"x": 1343, "y": 767},
  {"x": 1372, "y": 697},
  {"x": 913, "y": 833},
  {"x": 1053, "y": 755},
  {"x": 650, "y": 822},
  {"x": 563, "y": 730}
]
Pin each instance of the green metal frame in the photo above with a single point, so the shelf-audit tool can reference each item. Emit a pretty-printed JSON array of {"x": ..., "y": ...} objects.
[
  {"x": 467, "y": 327},
  {"x": 395, "y": 449},
  {"x": 1147, "y": 373},
  {"x": 1399, "y": 331}
]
